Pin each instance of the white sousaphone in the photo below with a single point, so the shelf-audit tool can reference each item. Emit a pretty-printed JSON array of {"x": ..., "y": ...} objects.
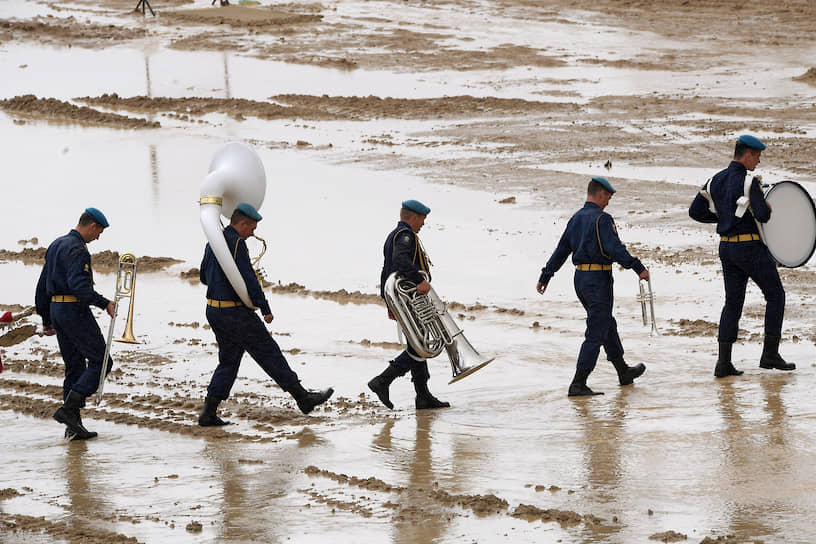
[
  {"x": 236, "y": 175},
  {"x": 790, "y": 233}
]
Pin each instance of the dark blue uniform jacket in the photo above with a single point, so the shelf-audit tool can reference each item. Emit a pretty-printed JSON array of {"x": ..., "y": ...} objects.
[
  {"x": 218, "y": 286},
  {"x": 67, "y": 271},
  {"x": 592, "y": 238},
  {"x": 403, "y": 253},
  {"x": 725, "y": 188}
]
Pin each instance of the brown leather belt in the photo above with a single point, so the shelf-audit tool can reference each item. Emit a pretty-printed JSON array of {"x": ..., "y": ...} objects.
[{"x": 592, "y": 267}]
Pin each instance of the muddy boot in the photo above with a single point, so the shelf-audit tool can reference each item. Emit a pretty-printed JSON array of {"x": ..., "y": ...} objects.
[
  {"x": 724, "y": 367},
  {"x": 626, "y": 373},
  {"x": 208, "y": 417},
  {"x": 68, "y": 415},
  {"x": 380, "y": 384},
  {"x": 770, "y": 355},
  {"x": 88, "y": 434},
  {"x": 578, "y": 387},
  {"x": 307, "y": 400},
  {"x": 424, "y": 399}
]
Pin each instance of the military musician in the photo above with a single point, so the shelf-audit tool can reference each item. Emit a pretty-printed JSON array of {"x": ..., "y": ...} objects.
[
  {"x": 403, "y": 253},
  {"x": 65, "y": 292},
  {"x": 238, "y": 329},
  {"x": 592, "y": 239},
  {"x": 735, "y": 203}
]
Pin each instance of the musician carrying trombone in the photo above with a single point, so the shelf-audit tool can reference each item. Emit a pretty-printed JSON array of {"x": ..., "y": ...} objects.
[
  {"x": 63, "y": 298},
  {"x": 592, "y": 239},
  {"x": 403, "y": 253}
]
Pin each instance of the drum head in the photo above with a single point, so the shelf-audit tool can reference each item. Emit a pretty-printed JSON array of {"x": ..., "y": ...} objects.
[{"x": 790, "y": 234}]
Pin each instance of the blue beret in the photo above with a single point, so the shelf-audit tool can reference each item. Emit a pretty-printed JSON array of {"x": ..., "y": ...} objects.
[
  {"x": 98, "y": 216},
  {"x": 249, "y": 211},
  {"x": 605, "y": 183},
  {"x": 751, "y": 141},
  {"x": 416, "y": 206}
]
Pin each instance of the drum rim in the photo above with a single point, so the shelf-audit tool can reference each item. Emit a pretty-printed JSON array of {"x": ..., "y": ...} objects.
[{"x": 813, "y": 207}]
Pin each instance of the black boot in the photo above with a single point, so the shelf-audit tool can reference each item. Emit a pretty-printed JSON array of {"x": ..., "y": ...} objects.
[
  {"x": 626, "y": 373},
  {"x": 307, "y": 400},
  {"x": 71, "y": 436},
  {"x": 578, "y": 387},
  {"x": 68, "y": 415},
  {"x": 724, "y": 367},
  {"x": 208, "y": 417},
  {"x": 770, "y": 355},
  {"x": 380, "y": 384},
  {"x": 424, "y": 399}
]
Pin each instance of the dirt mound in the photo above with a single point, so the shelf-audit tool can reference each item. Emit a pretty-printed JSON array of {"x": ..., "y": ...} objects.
[{"x": 60, "y": 111}]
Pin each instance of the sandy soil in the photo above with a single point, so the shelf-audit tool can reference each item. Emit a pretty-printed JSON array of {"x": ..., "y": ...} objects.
[{"x": 502, "y": 138}]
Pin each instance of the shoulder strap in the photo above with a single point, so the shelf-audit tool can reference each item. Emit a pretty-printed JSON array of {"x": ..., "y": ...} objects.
[
  {"x": 705, "y": 191},
  {"x": 598, "y": 235},
  {"x": 744, "y": 202}
]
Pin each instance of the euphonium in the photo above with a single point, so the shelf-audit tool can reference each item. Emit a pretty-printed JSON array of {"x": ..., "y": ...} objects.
[
  {"x": 125, "y": 282},
  {"x": 429, "y": 328}
]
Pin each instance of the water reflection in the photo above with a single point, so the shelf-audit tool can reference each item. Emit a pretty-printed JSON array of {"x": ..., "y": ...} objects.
[
  {"x": 416, "y": 518},
  {"x": 602, "y": 426},
  {"x": 86, "y": 496},
  {"x": 755, "y": 455}
]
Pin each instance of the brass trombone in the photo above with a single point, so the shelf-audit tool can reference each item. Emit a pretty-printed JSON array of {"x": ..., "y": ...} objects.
[
  {"x": 647, "y": 295},
  {"x": 125, "y": 286}
]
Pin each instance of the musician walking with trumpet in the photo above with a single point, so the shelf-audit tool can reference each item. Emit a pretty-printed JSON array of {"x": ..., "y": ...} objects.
[
  {"x": 63, "y": 298},
  {"x": 238, "y": 329},
  {"x": 403, "y": 253},
  {"x": 735, "y": 202},
  {"x": 592, "y": 239}
]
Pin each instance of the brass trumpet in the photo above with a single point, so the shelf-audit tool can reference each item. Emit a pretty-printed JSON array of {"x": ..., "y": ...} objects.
[
  {"x": 125, "y": 284},
  {"x": 647, "y": 295}
]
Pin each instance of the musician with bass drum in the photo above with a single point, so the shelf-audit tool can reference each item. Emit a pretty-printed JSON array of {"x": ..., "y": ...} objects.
[{"x": 735, "y": 202}]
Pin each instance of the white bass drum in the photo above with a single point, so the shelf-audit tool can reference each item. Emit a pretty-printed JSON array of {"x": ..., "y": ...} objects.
[{"x": 790, "y": 234}]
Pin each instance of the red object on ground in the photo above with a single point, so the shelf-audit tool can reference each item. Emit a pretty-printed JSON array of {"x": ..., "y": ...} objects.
[
  {"x": 1, "y": 364},
  {"x": 6, "y": 318}
]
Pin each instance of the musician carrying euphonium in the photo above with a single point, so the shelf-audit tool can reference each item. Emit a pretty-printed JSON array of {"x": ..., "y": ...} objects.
[
  {"x": 403, "y": 253},
  {"x": 592, "y": 239},
  {"x": 735, "y": 201},
  {"x": 64, "y": 295}
]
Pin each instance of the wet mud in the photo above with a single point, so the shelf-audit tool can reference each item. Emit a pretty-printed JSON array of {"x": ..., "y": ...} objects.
[{"x": 677, "y": 457}]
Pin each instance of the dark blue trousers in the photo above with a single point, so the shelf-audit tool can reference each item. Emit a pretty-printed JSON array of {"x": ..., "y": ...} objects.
[
  {"x": 594, "y": 290},
  {"x": 741, "y": 261},
  {"x": 82, "y": 347},
  {"x": 238, "y": 330},
  {"x": 405, "y": 363}
]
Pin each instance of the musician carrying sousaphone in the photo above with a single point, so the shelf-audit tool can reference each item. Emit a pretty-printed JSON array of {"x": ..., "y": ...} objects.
[
  {"x": 403, "y": 253},
  {"x": 735, "y": 202},
  {"x": 64, "y": 295}
]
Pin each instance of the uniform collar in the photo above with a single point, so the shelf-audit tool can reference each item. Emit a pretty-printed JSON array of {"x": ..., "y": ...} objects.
[
  {"x": 75, "y": 233},
  {"x": 589, "y": 204},
  {"x": 406, "y": 225},
  {"x": 738, "y": 165}
]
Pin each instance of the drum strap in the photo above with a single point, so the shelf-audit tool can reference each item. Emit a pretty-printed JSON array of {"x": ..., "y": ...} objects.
[
  {"x": 744, "y": 202},
  {"x": 705, "y": 192}
]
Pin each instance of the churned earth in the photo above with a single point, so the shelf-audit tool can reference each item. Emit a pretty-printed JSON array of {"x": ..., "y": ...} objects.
[{"x": 495, "y": 114}]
